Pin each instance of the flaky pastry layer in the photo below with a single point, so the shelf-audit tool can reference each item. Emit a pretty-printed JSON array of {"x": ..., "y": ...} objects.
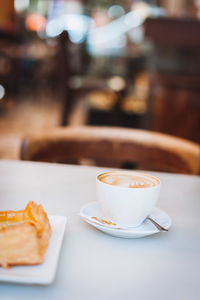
[{"x": 24, "y": 235}]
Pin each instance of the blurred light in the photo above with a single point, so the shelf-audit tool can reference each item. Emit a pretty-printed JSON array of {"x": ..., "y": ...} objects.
[
  {"x": 116, "y": 83},
  {"x": 76, "y": 36},
  {"x": 72, "y": 7},
  {"x": 35, "y": 22},
  {"x": 120, "y": 42},
  {"x": 107, "y": 33},
  {"x": 116, "y": 11},
  {"x": 71, "y": 22},
  {"x": 76, "y": 25},
  {"x": 132, "y": 19},
  {"x": 158, "y": 12},
  {"x": 75, "y": 22},
  {"x": 21, "y": 5},
  {"x": 136, "y": 35},
  {"x": 142, "y": 8},
  {"x": 54, "y": 28},
  {"x": 2, "y": 92},
  {"x": 115, "y": 29},
  {"x": 112, "y": 36}
]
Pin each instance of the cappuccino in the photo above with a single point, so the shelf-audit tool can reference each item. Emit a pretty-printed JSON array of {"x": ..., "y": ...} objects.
[
  {"x": 127, "y": 197},
  {"x": 128, "y": 180}
]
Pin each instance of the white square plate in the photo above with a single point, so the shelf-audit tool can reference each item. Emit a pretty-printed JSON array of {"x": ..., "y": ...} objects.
[{"x": 44, "y": 273}]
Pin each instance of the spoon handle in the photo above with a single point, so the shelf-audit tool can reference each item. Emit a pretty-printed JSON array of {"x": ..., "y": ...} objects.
[
  {"x": 157, "y": 225},
  {"x": 113, "y": 225}
]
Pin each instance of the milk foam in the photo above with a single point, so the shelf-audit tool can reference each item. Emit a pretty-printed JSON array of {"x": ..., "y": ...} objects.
[{"x": 127, "y": 180}]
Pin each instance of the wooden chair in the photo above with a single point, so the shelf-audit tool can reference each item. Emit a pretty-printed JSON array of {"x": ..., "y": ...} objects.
[{"x": 113, "y": 147}]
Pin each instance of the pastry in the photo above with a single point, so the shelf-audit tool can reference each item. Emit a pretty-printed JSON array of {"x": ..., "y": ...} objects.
[{"x": 24, "y": 236}]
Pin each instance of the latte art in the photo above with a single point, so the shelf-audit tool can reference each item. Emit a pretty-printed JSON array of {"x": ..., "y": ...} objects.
[
  {"x": 127, "y": 197},
  {"x": 128, "y": 180}
]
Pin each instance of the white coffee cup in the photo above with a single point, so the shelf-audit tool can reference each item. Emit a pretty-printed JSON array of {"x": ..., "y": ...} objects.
[{"x": 127, "y": 197}]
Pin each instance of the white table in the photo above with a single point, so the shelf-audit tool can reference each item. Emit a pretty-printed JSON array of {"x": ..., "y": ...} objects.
[{"x": 94, "y": 265}]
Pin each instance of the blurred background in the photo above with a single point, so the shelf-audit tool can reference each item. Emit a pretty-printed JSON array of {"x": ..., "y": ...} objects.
[{"x": 116, "y": 63}]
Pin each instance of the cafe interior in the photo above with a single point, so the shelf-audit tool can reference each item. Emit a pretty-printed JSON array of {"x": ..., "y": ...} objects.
[
  {"x": 66, "y": 64},
  {"x": 99, "y": 149}
]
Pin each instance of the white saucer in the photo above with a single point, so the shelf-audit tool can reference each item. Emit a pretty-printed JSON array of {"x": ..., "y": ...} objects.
[{"x": 92, "y": 209}]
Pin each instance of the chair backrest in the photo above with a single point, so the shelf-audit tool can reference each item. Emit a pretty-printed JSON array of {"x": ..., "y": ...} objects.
[{"x": 113, "y": 147}]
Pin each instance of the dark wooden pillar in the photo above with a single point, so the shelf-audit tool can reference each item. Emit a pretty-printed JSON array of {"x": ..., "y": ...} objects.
[{"x": 174, "y": 72}]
